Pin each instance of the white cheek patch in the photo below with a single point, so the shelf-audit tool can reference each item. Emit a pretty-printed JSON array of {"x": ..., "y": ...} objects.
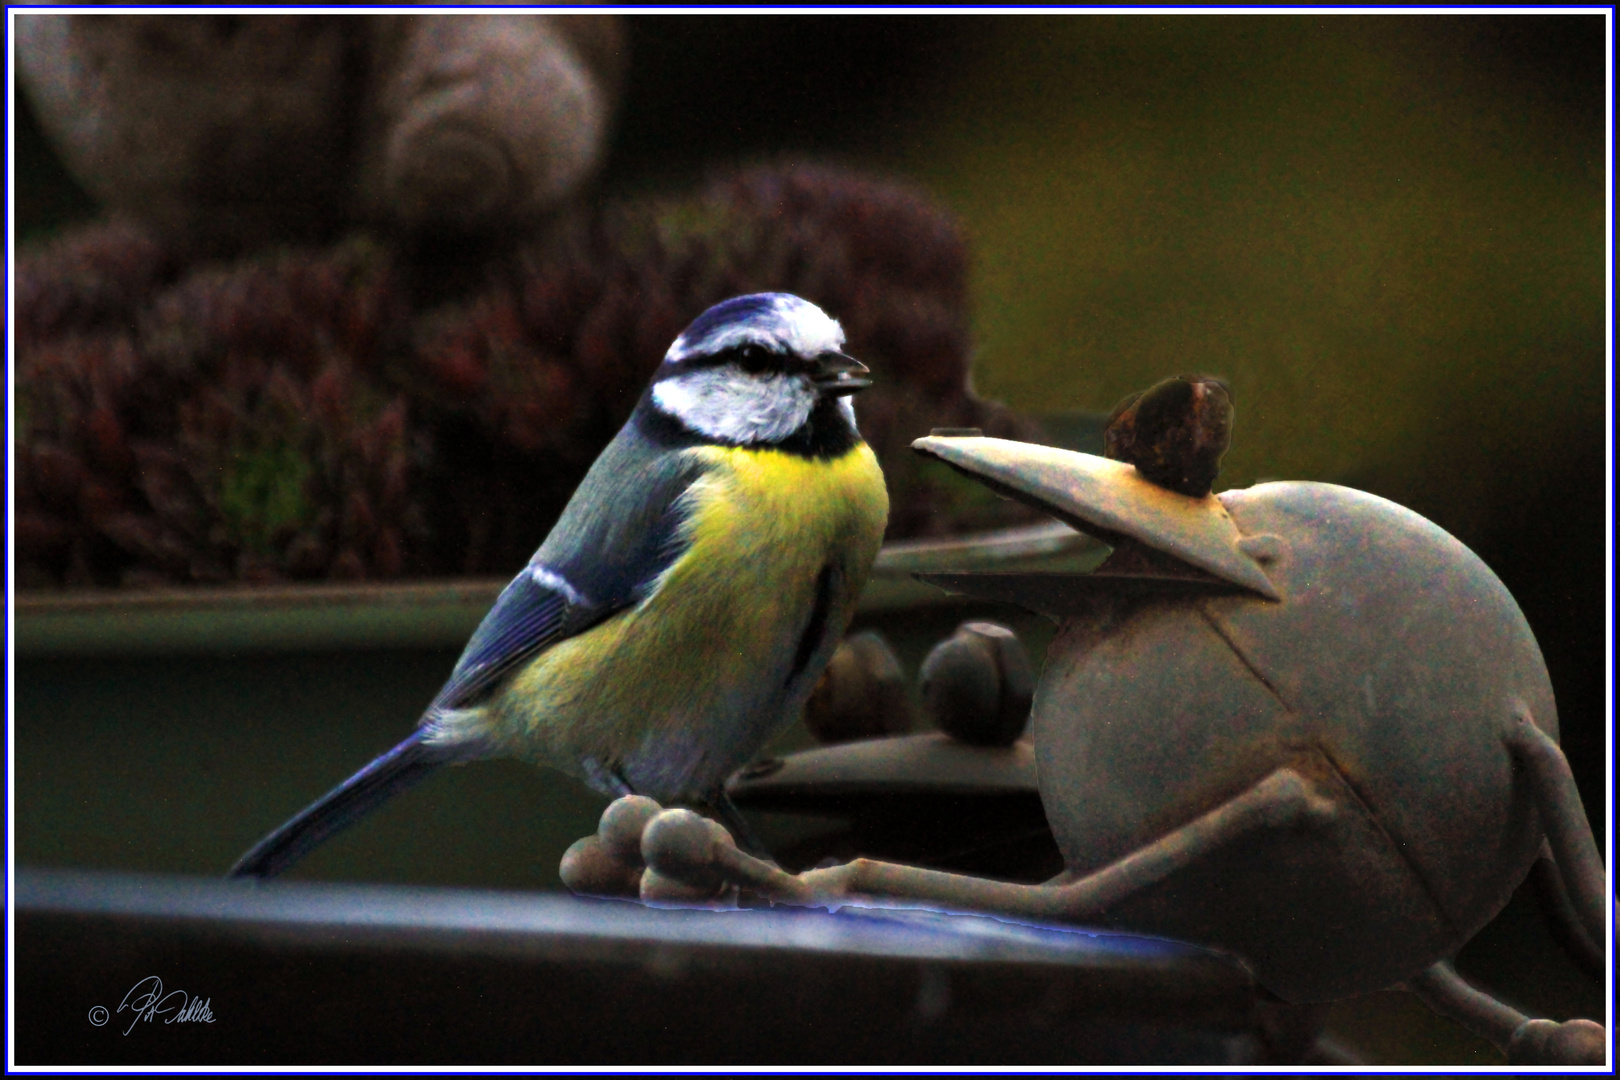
[{"x": 724, "y": 404}]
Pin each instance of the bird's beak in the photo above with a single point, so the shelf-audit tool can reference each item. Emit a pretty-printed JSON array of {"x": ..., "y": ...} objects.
[{"x": 836, "y": 374}]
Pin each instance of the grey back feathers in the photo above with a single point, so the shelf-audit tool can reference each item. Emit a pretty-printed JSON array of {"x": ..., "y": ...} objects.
[
  {"x": 621, "y": 529},
  {"x": 606, "y": 553}
]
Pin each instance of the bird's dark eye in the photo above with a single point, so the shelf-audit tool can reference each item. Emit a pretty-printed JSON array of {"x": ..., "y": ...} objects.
[{"x": 753, "y": 359}]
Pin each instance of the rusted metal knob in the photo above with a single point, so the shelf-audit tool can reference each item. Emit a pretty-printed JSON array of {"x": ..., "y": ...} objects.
[
  {"x": 978, "y": 685},
  {"x": 1175, "y": 432},
  {"x": 862, "y": 694}
]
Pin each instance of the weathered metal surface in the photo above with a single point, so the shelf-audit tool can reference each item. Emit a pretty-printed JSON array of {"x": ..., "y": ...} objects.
[
  {"x": 1387, "y": 662},
  {"x": 1110, "y": 499}
]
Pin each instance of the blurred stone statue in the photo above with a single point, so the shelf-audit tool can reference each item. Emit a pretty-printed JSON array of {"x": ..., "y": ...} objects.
[{"x": 222, "y": 132}]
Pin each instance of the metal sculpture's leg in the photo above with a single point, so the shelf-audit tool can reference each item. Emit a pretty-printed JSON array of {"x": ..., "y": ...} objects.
[
  {"x": 1563, "y": 819},
  {"x": 1562, "y": 920},
  {"x": 1444, "y": 991},
  {"x": 1281, "y": 799},
  {"x": 681, "y": 846},
  {"x": 1524, "y": 1041}
]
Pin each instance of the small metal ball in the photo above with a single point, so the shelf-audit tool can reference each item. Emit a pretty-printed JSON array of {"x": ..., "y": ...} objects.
[
  {"x": 977, "y": 684},
  {"x": 682, "y": 853},
  {"x": 1547, "y": 1042},
  {"x": 589, "y": 869},
  {"x": 862, "y": 694},
  {"x": 622, "y": 825},
  {"x": 1577, "y": 1042},
  {"x": 608, "y": 862}
]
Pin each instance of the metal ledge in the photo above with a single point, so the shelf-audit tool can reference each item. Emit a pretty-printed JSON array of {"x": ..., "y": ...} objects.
[
  {"x": 434, "y": 614},
  {"x": 317, "y": 973}
]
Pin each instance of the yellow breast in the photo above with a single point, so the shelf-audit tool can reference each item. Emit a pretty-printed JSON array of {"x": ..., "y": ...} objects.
[
  {"x": 782, "y": 512},
  {"x": 691, "y": 681}
]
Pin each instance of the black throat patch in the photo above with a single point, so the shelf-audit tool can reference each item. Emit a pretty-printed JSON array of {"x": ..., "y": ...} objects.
[{"x": 827, "y": 434}]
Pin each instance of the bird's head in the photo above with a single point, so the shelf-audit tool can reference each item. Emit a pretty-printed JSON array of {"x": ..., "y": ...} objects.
[{"x": 753, "y": 369}]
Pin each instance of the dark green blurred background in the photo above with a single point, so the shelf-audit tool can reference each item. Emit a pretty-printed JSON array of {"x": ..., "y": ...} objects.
[{"x": 1387, "y": 233}]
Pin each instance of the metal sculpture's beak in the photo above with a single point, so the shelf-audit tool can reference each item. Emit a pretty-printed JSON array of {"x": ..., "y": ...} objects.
[{"x": 1112, "y": 502}]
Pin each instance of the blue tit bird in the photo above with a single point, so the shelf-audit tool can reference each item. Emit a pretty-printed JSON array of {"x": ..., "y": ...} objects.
[{"x": 688, "y": 598}]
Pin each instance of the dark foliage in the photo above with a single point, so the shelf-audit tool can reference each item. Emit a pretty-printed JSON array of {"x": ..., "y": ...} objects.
[{"x": 302, "y": 415}]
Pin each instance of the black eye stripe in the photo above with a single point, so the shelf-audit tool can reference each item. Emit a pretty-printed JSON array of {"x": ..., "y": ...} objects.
[{"x": 754, "y": 359}]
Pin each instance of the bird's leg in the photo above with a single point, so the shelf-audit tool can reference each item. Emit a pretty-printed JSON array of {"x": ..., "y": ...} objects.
[
  {"x": 725, "y": 811},
  {"x": 604, "y": 778}
]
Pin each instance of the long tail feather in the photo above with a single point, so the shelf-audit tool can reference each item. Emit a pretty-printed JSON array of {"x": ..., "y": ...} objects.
[{"x": 393, "y": 772}]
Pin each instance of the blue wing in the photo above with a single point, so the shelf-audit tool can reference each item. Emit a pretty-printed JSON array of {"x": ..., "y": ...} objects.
[
  {"x": 619, "y": 532},
  {"x": 525, "y": 619}
]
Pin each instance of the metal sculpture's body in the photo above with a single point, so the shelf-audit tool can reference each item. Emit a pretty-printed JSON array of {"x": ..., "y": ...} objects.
[
  {"x": 1384, "y": 676},
  {"x": 1295, "y": 721}
]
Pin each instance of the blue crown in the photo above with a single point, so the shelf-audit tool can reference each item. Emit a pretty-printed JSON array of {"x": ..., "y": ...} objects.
[{"x": 780, "y": 322}]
